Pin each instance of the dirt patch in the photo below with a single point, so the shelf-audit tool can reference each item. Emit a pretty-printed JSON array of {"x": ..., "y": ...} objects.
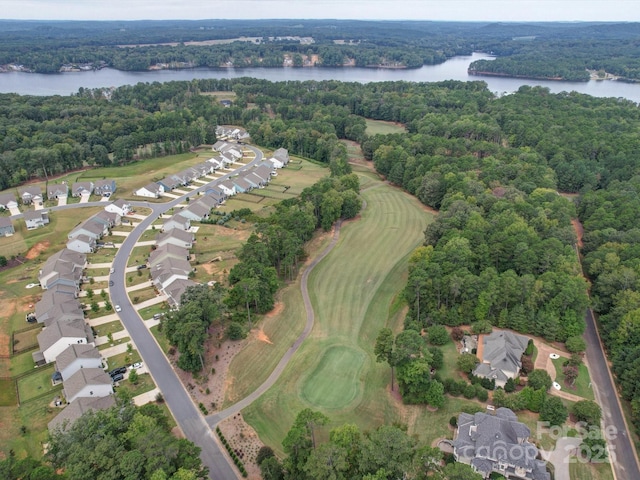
[
  {"x": 4, "y": 345},
  {"x": 577, "y": 227},
  {"x": 276, "y": 310},
  {"x": 260, "y": 335},
  {"x": 37, "y": 249},
  {"x": 244, "y": 441}
]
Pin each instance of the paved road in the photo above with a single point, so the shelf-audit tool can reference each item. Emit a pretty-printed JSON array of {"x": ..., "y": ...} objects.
[
  {"x": 216, "y": 418},
  {"x": 623, "y": 456},
  {"x": 180, "y": 403}
]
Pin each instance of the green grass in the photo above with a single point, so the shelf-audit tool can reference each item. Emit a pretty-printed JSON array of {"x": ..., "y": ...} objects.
[
  {"x": 160, "y": 338},
  {"x": 107, "y": 328},
  {"x": 138, "y": 277},
  {"x": 36, "y": 384},
  {"x": 450, "y": 367},
  {"x": 123, "y": 359},
  {"x": 8, "y": 396},
  {"x": 148, "y": 312},
  {"x": 590, "y": 471},
  {"x": 139, "y": 296},
  {"x": 144, "y": 384},
  {"x": 115, "y": 342},
  {"x": 104, "y": 255},
  {"x": 22, "y": 363},
  {"x": 26, "y": 339},
  {"x": 138, "y": 256},
  {"x": 353, "y": 292},
  {"x": 375, "y": 127},
  {"x": 581, "y": 387}
]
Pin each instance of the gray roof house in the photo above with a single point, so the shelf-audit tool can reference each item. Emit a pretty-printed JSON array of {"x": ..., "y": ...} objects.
[
  {"x": 175, "y": 236},
  {"x": 89, "y": 228},
  {"x": 264, "y": 172},
  {"x": 56, "y": 296},
  {"x": 8, "y": 200},
  {"x": 30, "y": 195},
  {"x": 75, "y": 357},
  {"x": 57, "y": 190},
  {"x": 282, "y": 155},
  {"x": 120, "y": 207},
  {"x": 104, "y": 188},
  {"x": 67, "y": 265},
  {"x": 176, "y": 221},
  {"x": 176, "y": 289},
  {"x": 72, "y": 412},
  {"x": 211, "y": 199},
  {"x": 217, "y": 147},
  {"x": 150, "y": 190},
  {"x": 82, "y": 244},
  {"x": 169, "y": 183},
  {"x": 216, "y": 162},
  {"x": 498, "y": 443},
  {"x": 168, "y": 250},
  {"x": 81, "y": 188},
  {"x": 36, "y": 219},
  {"x": 169, "y": 270},
  {"x": 228, "y": 187},
  {"x": 110, "y": 219},
  {"x": 88, "y": 382},
  {"x": 55, "y": 338},
  {"x": 500, "y": 355},
  {"x": 63, "y": 312},
  {"x": 6, "y": 227},
  {"x": 195, "y": 211}
]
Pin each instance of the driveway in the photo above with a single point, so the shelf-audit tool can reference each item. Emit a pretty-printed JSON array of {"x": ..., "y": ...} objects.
[
  {"x": 14, "y": 211},
  {"x": 62, "y": 200},
  {"x": 561, "y": 456},
  {"x": 85, "y": 198}
]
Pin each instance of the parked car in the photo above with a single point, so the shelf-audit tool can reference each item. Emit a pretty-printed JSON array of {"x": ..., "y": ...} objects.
[
  {"x": 141, "y": 267},
  {"x": 136, "y": 365},
  {"x": 111, "y": 270},
  {"x": 117, "y": 378},
  {"x": 118, "y": 371},
  {"x": 118, "y": 308},
  {"x": 111, "y": 283}
]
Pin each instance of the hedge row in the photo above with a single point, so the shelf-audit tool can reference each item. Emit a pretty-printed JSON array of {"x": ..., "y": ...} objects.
[{"x": 233, "y": 455}]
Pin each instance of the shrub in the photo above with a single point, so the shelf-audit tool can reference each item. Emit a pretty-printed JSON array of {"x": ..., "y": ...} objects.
[
  {"x": 510, "y": 386},
  {"x": 457, "y": 334},
  {"x": 527, "y": 365},
  {"x": 437, "y": 335},
  {"x": 540, "y": 379},
  {"x": 481, "y": 393},
  {"x": 529, "y": 349},
  {"x": 453, "y": 421},
  {"x": 467, "y": 362},
  {"x": 469, "y": 391},
  {"x": 437, "y": 361},
  {"x": 575, "y": 344},
  {"x": 481, "y": 326},
  {"x": 266, "y": 452},
  {"x": 236, "y": 331},
  {"x": 587, "y": 411}
]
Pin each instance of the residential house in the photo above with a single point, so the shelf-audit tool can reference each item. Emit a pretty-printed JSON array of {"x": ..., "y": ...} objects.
[
  {"x": 217, "y": 147},
  {"x": 182, "y": 178},
  {"x": 176, "y": 221},
  {"x": 30, "y": 195},
  {"x": 55, "y": 338},
  {"x": 176, "y": 236},
  {"x": 64, "y": 267},
  {"x": 88, "y": 382},
  {"x": 75, "y": 357},
  {"x": 264, "y": 172},
  {"x": 120, "y": 207},
  {"x": 216, "y": 191},
  {"x": 168, "y": 250},
  {"x": 169, "y": 183},
  {"x": 225, "y": 103},
  {"x": 151, "y": 190},
  {"x": 500, "y": 356},
  {"x": 204, "y": 168},
  {"x": 165, "y": 273},
  {"x": 232, "y": 150},
  {"x": 209, "y": 200},
  {"x": 57, "y": 190},
  {"x": 104, "y": 188},
  {"x": 82, "y": 244},
  {"x": 216, "y": 163},
  {"x": 227, "y": 159},
  {"x": 195, "y": 212},
  {"x": 498, "y": 443},
  {"x": 8, "y": 200},
  {"x": 65, "y": 311},
  {"x": 6, "y": 227},
  {"x": 109, "y": 219},
  {"x": 36, "y": 219},
  {"x": 89, "y": 228},
  {"x": 81, "y": 188},
  {"x": 228, "y": 187},
  {"x": 255, "y": 179},
  {"x": 73, "y": 411},
  {"x": 242, "y": 186},
  {"x": 176, "y": 289},
  {"x": 282, "y": 156}
]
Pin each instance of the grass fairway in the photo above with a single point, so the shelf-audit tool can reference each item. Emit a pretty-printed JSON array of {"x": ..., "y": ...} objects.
[
  {"x": 353, "y": 291},
  {"x": 381, "y": 127}
]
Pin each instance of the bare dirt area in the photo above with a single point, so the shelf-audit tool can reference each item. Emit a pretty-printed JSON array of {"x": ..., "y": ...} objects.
[
  {"x": 245, "y": 442},
  {"x": 577, "y": 227},
  {"x": 36, "y": 250}
]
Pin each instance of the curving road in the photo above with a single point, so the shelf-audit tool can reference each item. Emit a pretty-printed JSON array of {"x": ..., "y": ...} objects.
[{"x": 188, "y": 417}]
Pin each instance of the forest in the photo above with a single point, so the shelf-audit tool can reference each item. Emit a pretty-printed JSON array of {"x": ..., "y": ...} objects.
[{"x": 559, "y": 51}]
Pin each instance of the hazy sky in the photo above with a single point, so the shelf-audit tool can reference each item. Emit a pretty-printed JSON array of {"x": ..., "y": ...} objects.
[{"x": 468, "y": 10}]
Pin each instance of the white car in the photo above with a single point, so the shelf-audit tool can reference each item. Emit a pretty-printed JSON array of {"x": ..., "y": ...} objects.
[
  {"x": 557, "y": 386},
  {"x": 112, "y": 270},
  {"x": 118, "y": 308},
  {"x": 136, "y": 365}
]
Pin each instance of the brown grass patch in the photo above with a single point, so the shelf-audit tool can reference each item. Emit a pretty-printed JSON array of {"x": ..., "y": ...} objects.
[
  {"x": 4, "y": 344},
  {"x": 263, "y": 337},
  {"x": 37, "y": 249}
]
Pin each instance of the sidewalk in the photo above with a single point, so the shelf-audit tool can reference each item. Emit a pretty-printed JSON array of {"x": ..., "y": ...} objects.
[
  {"x": 116, "y": 350},
  {"x": 147, "y": 397}
]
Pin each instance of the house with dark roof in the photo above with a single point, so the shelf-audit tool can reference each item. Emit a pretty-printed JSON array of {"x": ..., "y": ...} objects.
[
  {"x": 6, "y": 227},
  {"x": 109, "y": 219},
  {"x": 208, "y": 200},
  {"x": 62, "y": 268},
  {"x": 88, "y": 382},
  {"x": 65, "y": 311},
  {"x": 36, "y": 219},
  {"x": 75, "y": 357},
  {"x": 81, "y": 188},
  {"x": 72, "y": 412},
  {"x": 104, "y": 188},
  {"x": 500, "y": 356},
  {"x": 498, "y": 443},
  {"x": 175, "y": 290}
]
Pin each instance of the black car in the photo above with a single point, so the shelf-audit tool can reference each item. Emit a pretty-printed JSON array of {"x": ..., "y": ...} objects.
[
  {"x": 140, "y": 267},
  {"x": 117, "y": 378},
  {"x": 118, "y": 371},
  {"x": 111, "y": 283}
]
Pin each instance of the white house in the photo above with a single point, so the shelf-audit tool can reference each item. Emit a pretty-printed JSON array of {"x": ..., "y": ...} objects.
[
  {"x": 81, "y": 188},
  {"x": 8, "y": 200},
  {"x": 175, "y": 236},
  {"x": 36, "y": 219},
  {"x": 176, "y": 221},
  {"x": 88, "y": 382},
  {"x": 75, "y": 357},
  {"x": 57, "y": 190},
  {"x": 196, "y": 211},
  {"x": 90, "y": 228},
  {"x": 120, "y": 207},
  {"x": 82, "y": 244},
  {"x": 227, "y": 187},
  {"x": 30, "y": 195},
  {"x": 55, "y": 338},
  {"x": 151, "y": 190}
]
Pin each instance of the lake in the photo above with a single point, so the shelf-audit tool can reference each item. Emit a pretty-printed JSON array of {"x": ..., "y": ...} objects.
[{"x": 453, "y": 69}]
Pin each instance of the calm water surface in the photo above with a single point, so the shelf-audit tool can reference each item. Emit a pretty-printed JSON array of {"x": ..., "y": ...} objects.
[{"x": 453, "y": 69}]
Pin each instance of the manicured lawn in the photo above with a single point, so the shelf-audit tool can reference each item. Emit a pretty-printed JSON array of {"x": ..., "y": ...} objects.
[
  {"x": 103, "y": 255},
  {"x": 582, "y": 386},
  {"x": 123, "y": 359},
  {"x": 450, "y": 368},
  {"x": 161, "y": 338},
  {"x": 22, "y": 363},
  {"x": 8, "y": 396},
  {"x": 115, "y": 342},
  {"x": 139, "y": 256},
  {"x": 107, "y": 328},
  {"x": 139, "y": 296},
  {"x": 352, "y": 291},
  {"x": 149, "y": 235},
  {"x": 136, "y": 278},
  {"x": 590, "y": 471},
  {"x": 148, "y": 312},
  {"x": 36, "y": 384},
  {"x": 144, "y": 384},
  {"x": 375, "y": 127}
]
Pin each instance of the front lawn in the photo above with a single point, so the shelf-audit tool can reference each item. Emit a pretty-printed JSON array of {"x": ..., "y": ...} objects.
[
  {"x": 160, "y": 338},
  {"x": 36, "y": 384},
  {"x": 582, "y": 387},
  {"x": 148, "y": 312},
  {"x": 123, "y": 359},
  {"x": 107, "y": 328},
  {"x": 143, "y": 385}
]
